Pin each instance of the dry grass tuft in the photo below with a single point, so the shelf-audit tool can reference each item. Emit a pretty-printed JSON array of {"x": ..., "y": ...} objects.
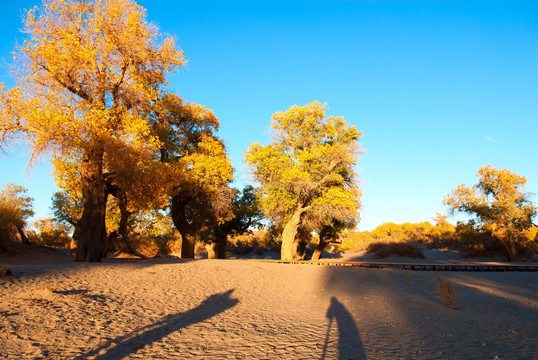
[
  {"x": 386, "y": 249},
  {"x": 444, "y": 291}
]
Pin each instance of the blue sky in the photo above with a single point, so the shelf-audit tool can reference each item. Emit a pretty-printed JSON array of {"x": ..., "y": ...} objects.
[{"x": 439, "y": 88}]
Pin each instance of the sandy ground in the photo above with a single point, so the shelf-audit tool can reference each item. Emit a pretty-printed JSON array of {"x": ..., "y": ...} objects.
[{"x": 237, "y": 309}]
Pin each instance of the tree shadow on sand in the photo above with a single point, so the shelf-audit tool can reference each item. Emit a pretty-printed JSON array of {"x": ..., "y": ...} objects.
[
  {"x": 349, "y": 340},
  {"x": 137, "y": 339}
]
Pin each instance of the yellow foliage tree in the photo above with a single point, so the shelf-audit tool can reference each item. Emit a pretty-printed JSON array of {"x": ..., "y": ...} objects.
[
  {"x": 308, "y": 169},
  {"x": 87, "y": 73},
  {"x": 15, "y": 209},
  {"x": 498, "y": 202},
  {"x": 198, "y": 165}
]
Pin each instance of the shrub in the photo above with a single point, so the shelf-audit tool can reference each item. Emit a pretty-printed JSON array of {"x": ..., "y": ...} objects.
[
  {"x": 354, "y": 241},
  {"x": 385, "y": 249},
  {"x": 51, "y": 233},
  {"x": 258, "y": 239},
  {"x": 444, "y": 291},
  {"x": 15, "y": 209},
  {"x": 7, "y": 230}
]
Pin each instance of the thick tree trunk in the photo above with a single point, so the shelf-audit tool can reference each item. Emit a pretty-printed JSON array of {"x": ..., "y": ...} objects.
[
  {"x": 221, "y": 239},
  {"x": 92, "y": 237},
  {"x": 288, "y": 251},
  {"x": 188, "y": 242},
  {"x": 188, "y": 233},
  {"x": 319, "y": 249},
  {"x": 511, "y": 250},
  {"x": 221, "y": 250},
  {"x": 23, "y": 236}
]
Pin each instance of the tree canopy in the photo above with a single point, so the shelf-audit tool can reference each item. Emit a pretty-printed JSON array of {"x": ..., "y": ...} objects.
[
  {"x": 499, "y": 202},
  {"x": 307, "y": 170}
]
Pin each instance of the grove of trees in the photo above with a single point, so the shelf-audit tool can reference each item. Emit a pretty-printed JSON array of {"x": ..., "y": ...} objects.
[{"x": 133, "y": 160}]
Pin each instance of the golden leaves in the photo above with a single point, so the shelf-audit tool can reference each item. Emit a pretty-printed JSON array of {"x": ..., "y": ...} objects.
[
  {"x": 87, "y": 68},
  {"x": 209, "y": 166},
  {"x": 498, "y": 203},
  {"x": 310, "y": 164},
  {"x": 88, "y": 72}
]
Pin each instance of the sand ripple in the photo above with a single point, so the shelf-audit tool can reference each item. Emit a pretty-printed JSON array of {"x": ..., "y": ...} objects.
[{"x": 233, "y": 309}]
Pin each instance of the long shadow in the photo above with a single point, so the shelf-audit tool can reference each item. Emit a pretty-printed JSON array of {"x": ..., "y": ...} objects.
[
  {"x": 495, "y": 317},
  {"x": 27, "y": 270},
  {"x": 349, "y": 340},
  {"x": 135, "y": 340}
]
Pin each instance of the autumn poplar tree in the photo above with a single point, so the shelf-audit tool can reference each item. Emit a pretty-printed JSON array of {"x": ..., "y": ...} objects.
[
  {"x": 246, "y": 214},
  {"x": 499, "y": 203},
  {"x": 15, "y": 209},
  {"x": 198, "y": 164},
  {"x": 308, "y": 170},
  {"x": 85, "y": 74}
]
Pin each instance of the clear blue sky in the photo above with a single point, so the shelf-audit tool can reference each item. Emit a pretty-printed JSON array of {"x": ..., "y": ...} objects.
[{"x": 439, "y": 88}]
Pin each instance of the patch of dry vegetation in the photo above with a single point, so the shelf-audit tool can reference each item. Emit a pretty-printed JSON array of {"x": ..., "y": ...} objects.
[
  {"x": 469, "y": 239},
  {"x": 386, "y": 249},
  {"x": 444, "y": 291},
  {"x": 258, "y": 240}
]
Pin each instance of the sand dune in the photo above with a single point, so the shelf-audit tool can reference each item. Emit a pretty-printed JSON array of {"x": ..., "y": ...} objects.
[{"x": 236, "y": 309}]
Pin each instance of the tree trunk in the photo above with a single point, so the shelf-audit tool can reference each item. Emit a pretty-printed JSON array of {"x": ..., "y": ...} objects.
[
  {"x": 302, "y": 238},
  {"x": 211, "y": 250},
  {"x": 23, "y": 236},
  {"x": 288, "y": 251},
  {"x": 319, "y": 249},
  {"x": 222, "y": 240},
  {"x": 188, "y": 242},
  {"x": 511, "y": 250},
  {"x": 188, "y": 233},
  {"x": 301, "y": 250},
  {"x": 326, "y": 235},
  {"x": 94, "y": 195},
  {"x": 221, "y": 250},
  {"x": 122, "y": 230}
]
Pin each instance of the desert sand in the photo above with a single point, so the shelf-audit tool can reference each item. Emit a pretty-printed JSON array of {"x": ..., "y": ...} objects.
[{"x": 54, "y": 308}]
